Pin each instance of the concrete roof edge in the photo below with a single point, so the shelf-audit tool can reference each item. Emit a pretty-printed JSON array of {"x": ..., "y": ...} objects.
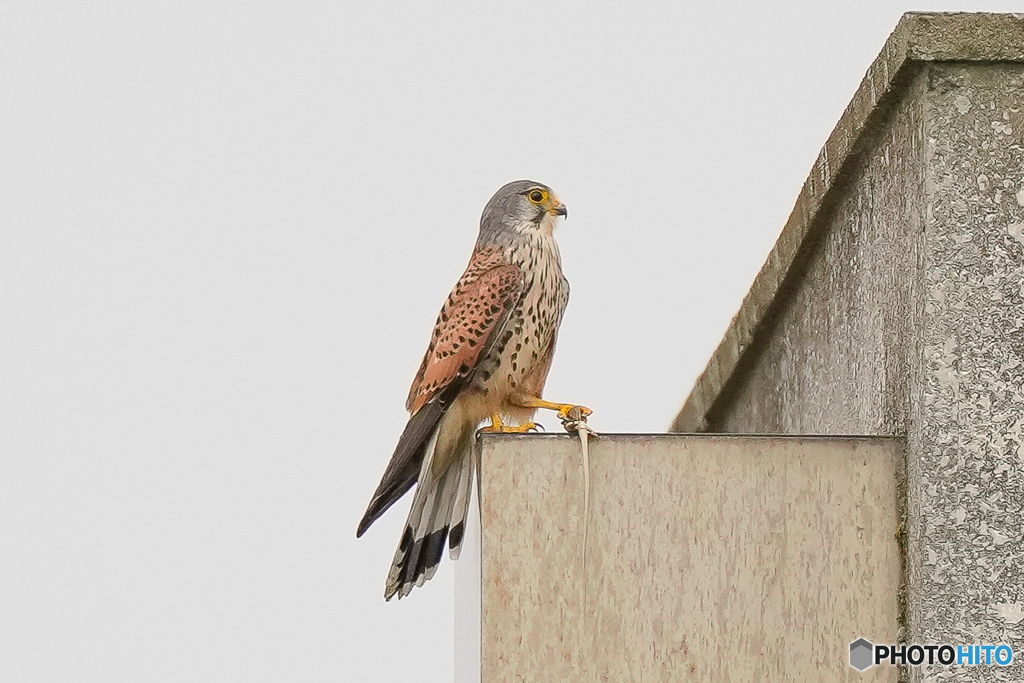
[{"x": 918, "y": 37}]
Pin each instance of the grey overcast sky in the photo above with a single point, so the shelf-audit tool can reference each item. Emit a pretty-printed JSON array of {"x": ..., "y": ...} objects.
[{"x": 226, "y": 229}]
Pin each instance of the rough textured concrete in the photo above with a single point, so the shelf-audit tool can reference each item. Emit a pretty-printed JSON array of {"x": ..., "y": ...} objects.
[
  {"x": 709, "y": 558},
  {"x": 894, "y": 304},
  {"x": 969, "y": 433},
  {"x": 837, "y": 359},
  {"x": 919, "y": 40}
]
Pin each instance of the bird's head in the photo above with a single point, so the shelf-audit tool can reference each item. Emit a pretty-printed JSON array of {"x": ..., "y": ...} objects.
[{"x": 522, "y": 206}]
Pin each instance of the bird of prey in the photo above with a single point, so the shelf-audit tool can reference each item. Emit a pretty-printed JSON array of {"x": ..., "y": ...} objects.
[{"x": 488, "y": 358}]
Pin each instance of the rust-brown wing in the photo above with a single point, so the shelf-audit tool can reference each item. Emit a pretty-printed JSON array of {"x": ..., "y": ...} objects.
[
  {"x": 472, "y": 318},
  {"x": 476, "y": 309}
]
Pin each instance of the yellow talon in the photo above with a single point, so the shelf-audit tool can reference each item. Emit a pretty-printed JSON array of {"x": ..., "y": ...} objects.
[
  {"x": 519, "y": 429},
  {"x": 498, "y": 427},
  {"x": 564, "y": 412},
  {"x": 563, "y": 408}
]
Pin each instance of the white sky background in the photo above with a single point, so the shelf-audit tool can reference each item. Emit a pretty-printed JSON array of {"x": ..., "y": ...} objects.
[{"x": 225, "y": 233}]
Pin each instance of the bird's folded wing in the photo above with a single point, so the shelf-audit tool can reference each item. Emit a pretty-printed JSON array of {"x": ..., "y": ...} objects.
[{"x": 471, "y": 322}]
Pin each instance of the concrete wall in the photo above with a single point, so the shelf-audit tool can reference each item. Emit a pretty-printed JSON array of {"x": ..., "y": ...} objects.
[
  {"x": 709, "y": 558},
  {"x": 894, "y": 304},
  {"x": 837, "y": 360}
]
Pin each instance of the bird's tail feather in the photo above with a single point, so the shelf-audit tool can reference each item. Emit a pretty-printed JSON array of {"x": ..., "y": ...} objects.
[
  {"x": 461, "y": 508},
  {"x": 405, "y": 464},
  {"x": 426, "y": 529}
]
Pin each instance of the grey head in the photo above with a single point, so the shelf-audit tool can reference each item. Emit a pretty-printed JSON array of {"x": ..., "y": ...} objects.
[{"x": 518, "y": 208}]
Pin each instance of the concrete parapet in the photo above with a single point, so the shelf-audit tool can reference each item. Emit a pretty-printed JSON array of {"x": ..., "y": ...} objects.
[
  {"x": 709, "y": 558},
  {"x": 893, "y": 304}
]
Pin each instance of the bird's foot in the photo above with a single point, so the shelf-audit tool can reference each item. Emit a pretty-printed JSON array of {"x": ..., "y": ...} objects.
[
  {"x": 511, "y": 429},
  {"x": 574, "y": 419},
  {"x": 571, "y": 415},
  {"x": 498, "y": 427},
  {"x": 566, "y": 411},
  {"x": 573, "y": 412}
]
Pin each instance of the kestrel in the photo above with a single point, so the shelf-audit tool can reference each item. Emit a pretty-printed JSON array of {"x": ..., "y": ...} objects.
[{"x": 489, "y": 357}]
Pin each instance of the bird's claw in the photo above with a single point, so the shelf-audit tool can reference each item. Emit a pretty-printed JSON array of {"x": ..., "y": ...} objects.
[
  {"x": 500, "y": 428},
  {"x": 571, "y": 412},
  {"x": 574, "y": 418}
]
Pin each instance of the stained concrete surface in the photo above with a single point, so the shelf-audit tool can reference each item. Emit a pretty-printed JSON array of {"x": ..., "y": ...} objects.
[{"x": 709, "y": 558}]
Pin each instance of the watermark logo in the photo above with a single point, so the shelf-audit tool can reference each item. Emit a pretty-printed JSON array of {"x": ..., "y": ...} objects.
[{"x": 864, "y": 654}]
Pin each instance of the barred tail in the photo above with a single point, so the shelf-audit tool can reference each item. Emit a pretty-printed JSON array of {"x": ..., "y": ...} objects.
[
  {"x": 447, "y": 464},
  {"x": 464, "y": 495}
]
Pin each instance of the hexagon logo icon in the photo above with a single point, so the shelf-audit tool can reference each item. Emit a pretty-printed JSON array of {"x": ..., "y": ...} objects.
[{"x": 860, "y": 654}]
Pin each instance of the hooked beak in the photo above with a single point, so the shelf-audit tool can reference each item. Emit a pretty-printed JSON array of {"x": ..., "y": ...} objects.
[{"x": 558, "y": 210}]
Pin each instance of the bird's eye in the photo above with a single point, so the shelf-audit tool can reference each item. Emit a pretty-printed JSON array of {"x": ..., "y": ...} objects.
[{"x": 536, "y": 196}]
